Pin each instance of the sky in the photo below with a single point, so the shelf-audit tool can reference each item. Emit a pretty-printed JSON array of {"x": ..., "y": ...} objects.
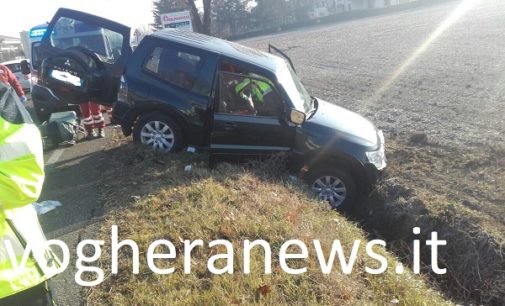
[{"x": 19, "y": 15}]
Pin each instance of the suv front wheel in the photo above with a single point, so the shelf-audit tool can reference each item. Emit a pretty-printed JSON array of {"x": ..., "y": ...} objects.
[
  {"x": 333, "y": 186},
  {"x": 159, "y": 132}
]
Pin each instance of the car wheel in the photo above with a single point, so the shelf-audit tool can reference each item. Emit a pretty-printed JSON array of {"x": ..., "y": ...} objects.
[
  {"x": 159, "y": 132},
  {"x": 333, "y": 186}
]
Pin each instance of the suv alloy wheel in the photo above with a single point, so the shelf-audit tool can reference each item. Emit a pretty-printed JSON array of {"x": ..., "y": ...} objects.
[
  {"x": 159, "y": 132},
  {"x": 333, "y": 186}
]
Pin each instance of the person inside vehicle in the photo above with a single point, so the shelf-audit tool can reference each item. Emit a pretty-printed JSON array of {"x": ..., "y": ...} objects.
[
  {"x": 229, "y": 101},
  {"x": 246, "y": 93},
  {"x": 7, "y": 77},
  {"x": 255, "y": 88}
]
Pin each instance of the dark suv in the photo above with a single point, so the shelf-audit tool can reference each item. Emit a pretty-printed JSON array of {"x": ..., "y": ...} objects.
[{"x": 185, "y": 89}]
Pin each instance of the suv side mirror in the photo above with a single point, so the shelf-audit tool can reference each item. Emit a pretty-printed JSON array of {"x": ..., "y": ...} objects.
[
  {"x": 297, "y": 117},
  {"x": 25, "y": 67}
]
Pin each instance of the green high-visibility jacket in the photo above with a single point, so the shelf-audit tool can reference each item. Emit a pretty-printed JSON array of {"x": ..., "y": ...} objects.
[
  {"x": 258, "y": 89},
  {"x": 21, "y": 178}
]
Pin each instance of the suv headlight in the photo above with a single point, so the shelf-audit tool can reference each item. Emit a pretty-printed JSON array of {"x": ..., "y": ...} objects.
[{"x": 378, "y": 157}]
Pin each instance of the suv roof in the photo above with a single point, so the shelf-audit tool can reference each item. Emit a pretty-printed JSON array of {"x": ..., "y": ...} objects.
[{"x": 221, "y": 46}]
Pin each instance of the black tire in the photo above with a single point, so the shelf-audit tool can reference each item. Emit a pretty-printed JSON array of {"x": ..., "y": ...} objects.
[
  {"x": 162, "y": 128},
  {"x": 319, "y": 176},
  {"x": 79, "y": 62}
]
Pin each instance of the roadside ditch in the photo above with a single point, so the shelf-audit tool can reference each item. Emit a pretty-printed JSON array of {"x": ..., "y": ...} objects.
[{"x": 473, "y": 255}]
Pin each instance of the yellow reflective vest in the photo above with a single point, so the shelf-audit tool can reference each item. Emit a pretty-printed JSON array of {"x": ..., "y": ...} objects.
[
  {"x": 21, "y": 178},
  {"x": 257, "y": 88}
]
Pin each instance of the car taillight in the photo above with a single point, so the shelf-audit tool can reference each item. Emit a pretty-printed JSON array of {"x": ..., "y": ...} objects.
[{"x": 122, "y": 94}]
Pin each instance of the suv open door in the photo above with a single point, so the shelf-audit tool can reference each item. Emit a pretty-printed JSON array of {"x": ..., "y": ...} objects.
[
  {"x": 277, "y": 51},
  {"x": 83, "y": 57}
]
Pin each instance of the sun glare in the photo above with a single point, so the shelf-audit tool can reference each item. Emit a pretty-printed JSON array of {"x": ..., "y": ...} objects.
[{"x": 458, "y": 13}]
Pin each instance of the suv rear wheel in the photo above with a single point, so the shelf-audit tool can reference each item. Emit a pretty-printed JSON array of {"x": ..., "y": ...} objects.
[
  {"x": 334, "y": 186},
  {"x": 159, "y": 132}
]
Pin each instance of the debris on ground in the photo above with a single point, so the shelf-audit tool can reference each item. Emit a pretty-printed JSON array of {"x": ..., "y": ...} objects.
[
  {"x": 46, "y": 206},
  {"x": 293, "y": 178}
]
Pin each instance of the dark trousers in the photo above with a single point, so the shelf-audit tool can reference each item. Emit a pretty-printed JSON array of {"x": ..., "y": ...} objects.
[{"x": 39, "y": 295}]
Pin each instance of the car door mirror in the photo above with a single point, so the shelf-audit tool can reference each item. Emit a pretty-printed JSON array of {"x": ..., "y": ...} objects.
[
  {"x": 25, "y": 67},
  {"x": 297, "y": 117}
]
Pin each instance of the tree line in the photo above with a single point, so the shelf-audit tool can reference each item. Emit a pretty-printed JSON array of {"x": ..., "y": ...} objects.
[{"x": 229, "y": 17}]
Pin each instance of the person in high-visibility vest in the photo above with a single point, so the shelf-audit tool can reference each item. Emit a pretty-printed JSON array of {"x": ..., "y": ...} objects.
[
  {"x": 250, "y": 88},
  {"x": 254, "y": 91},
  {"x": 21, "y": 178}
]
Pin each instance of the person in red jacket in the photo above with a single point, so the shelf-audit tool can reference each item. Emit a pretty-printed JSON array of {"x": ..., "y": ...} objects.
[{"x": 7, "y": 77}]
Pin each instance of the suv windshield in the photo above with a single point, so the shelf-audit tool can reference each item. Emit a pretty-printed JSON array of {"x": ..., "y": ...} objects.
[{"x": 294, "y": 88}]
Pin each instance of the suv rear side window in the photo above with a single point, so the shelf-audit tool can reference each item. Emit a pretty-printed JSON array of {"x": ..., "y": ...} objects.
[
  {"x": 70, "y": 32},
  {"x": 173, "y": 66}
]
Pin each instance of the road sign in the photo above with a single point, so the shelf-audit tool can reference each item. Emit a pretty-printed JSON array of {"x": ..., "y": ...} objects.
[{"x": 177, "y": 20}]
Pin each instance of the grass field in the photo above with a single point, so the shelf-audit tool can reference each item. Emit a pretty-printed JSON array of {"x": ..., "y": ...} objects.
[{"x": 235, "y": 204}]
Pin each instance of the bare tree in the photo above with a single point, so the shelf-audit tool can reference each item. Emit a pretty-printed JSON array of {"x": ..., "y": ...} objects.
[{"x": 140, "y": 32}]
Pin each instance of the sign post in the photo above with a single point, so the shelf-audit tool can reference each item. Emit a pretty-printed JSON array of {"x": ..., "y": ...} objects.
[{"x": 177, "y": 20}]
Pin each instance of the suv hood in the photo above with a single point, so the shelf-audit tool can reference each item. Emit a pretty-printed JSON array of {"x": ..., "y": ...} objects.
[{"x": 346, "y": 123}]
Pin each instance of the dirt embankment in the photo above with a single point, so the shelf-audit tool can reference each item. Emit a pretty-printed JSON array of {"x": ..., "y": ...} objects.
[{"x": 461, "y": 196}]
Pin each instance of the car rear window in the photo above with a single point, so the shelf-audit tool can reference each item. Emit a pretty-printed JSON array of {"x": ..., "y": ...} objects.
[
  {"x": 174, "y": 66},
  {"x": 70, "y": 32},
  {"x": 16, "y": 67}
]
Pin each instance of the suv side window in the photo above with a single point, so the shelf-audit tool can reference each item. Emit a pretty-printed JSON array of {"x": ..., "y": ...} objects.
[
  {"x": 248, "y": 95},
  {"x": 173, "y": 66}
]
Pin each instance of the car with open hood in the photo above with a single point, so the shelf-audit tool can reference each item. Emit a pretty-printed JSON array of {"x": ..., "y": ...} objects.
[{"x": 180, "y": 88}]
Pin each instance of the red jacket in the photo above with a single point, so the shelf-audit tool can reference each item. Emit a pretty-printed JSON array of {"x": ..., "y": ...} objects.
[{"x": 8, "y": 77}]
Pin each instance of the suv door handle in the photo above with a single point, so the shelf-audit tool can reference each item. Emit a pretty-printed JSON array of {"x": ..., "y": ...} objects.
[{"x": 230, "y": 126}]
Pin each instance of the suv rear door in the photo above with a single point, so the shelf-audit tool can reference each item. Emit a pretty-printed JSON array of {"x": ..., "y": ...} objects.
[{"x": 83, "y": 59}]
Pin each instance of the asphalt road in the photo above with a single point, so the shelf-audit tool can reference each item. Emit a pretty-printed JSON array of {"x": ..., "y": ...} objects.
[
  {"x": 73, "y": 179},
  {"x": 438, "y": 70}
]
